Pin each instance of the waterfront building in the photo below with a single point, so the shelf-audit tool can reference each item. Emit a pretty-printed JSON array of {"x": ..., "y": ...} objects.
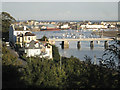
[
  {"x": 36, "y": 23},
  {"x": 65, "y": 26},
  {"x": 30, "y": 22},
  {"x": 53, "y": 22},
  {"x": 94, "y": 26}
]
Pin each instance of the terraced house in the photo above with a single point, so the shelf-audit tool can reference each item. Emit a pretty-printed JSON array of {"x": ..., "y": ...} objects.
[{"x": 27, "y": 38}]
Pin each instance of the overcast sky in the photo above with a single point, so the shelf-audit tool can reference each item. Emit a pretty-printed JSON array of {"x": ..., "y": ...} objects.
[{"x": 62, "y": 10}]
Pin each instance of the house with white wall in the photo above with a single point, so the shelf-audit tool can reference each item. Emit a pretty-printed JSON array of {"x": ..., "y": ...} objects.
[
  {"x": 36, "y": 48},
  {"x": 33, "y": 49},
  {"x": 14, "y": 31},
  {"x": 27, "y": 38},
  {"x": 65, "y": 26},
  {"x": 92, "y": 26}
]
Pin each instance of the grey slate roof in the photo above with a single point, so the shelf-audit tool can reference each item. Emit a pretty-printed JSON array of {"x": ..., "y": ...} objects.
[{"x": 32, "y": 45}]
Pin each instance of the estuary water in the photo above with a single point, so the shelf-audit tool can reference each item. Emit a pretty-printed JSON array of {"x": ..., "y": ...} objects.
[{"x": 85, "y": 49}]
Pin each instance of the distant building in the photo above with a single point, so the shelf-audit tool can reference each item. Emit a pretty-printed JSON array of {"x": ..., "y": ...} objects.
[
  {"x": 30, "y": 22},
  {"x": 53, "y": 22},
  {"x": 93, "y": 26},
  {"x": 65, "y": 26},
  {"x": 36, "y": 23}
]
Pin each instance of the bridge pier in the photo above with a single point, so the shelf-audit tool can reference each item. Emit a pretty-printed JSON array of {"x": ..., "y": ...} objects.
[
  {"x": 106, "y": 44},
  {"x": 91, "y": 44},
  {"x": 65, "y": 44},
  {"x": 78, "y": 44}
]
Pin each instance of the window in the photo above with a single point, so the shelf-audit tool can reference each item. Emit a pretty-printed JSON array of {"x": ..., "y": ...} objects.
[
  {"x": 28, "y": 38},
  {"x": 25, "y": 38}
]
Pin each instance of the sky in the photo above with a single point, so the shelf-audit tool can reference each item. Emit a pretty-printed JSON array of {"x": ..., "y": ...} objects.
[{"x": 62, "y": 10}]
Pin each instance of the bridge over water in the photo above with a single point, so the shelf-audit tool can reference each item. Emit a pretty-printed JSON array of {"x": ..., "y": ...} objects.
[{"x": 65, "y": 41}]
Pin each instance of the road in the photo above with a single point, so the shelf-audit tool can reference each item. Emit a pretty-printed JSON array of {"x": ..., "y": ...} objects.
[{"x": 14, "y": 53}]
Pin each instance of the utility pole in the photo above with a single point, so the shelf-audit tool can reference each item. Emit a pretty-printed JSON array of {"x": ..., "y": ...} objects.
[
  {"x": 42, "y": 57},
  {"x": 30, "y": 59},
  {"x": 95, "y": 59},
  {"x": 60, "y": 63}
]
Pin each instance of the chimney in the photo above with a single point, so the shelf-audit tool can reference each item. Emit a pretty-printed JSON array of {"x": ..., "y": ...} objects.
[{"x": 24, "y": 27}]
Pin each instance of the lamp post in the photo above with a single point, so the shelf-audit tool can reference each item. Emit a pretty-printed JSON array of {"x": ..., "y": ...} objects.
[
  {"x": 95, "y": 59},
  {"x": 60, "y": 62}
]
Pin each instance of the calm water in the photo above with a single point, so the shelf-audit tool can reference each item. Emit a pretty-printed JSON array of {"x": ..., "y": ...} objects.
[{"x": 73, "y": 51}]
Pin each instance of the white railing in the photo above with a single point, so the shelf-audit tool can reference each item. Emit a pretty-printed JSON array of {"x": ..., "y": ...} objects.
[{"x": 84, "y": 39}]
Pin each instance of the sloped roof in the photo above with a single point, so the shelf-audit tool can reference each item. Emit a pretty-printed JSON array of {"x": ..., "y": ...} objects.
[
  {"x": 32, "y": 45},
  {"x": 17, "y": 28}
]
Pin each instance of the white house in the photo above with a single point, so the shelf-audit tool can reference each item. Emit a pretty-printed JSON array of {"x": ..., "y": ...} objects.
[
  {"x": 35, "y": 48},
  {"x": 15, "y": 30},
  {"x": 93, "y": 26},
  {"x": 65, "y": 26}
]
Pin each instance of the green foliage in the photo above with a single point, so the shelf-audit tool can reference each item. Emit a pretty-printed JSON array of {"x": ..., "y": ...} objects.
[
  {"x": 8, "y": 58},
  {"x": 55, "y": 53},
  {"x": 11, "y": 77},
  {"x": 73, "y": 74},
  {"x": 7, "y": 16},
  {"x": 7, "y": 19},
  {"x": 43, "y": 74},
  {"x": 84, "y": 75},
  {"x": 112, "y": 55},
  {"x": 10, "y": 66}
]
